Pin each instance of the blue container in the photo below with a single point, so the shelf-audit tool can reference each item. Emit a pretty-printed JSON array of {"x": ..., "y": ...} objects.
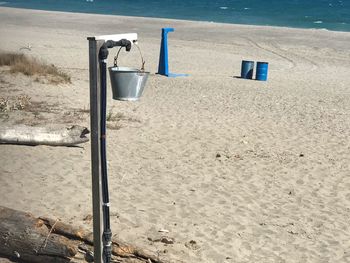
[
  {"x": 261, "y": 71},
  {"x": 247, "y": 69}
]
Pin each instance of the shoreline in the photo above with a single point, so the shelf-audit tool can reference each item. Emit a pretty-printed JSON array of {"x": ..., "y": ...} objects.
[
  {"x": 187, "y": 30},
  {"x": 183, "y": 20}
]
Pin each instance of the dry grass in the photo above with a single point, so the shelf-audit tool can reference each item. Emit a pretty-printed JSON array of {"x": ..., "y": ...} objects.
[
  {"x": 20, "y": 63},
  {"x": 114, "y": 126},
  {"x": 21, "y": 102},
  {"x": 115, "y": 120},
  {"x": 114, "y": 117}
]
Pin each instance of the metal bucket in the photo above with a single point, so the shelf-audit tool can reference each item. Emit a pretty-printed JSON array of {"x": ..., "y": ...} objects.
[
  {"x": 261, "y": 71},
  {"x": 127, "y": 83},
  {"x": 247, "y": 69}
]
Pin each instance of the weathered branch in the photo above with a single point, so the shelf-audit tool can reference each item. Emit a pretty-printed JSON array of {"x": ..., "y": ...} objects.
[
  {"x": 41, "y": 135},
  {"x": 26, "y": 238},
  {"x": 119, "y": 248},
  {"x": 22, "y": 237}
]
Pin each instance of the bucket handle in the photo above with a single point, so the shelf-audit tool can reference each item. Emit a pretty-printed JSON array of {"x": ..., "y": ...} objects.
[{"x": 142, "y": 60}]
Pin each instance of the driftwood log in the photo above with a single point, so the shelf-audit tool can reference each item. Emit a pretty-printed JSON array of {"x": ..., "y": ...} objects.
[
  {"x": 30, "y": 239},
  {"x": 42, "y": 135}
]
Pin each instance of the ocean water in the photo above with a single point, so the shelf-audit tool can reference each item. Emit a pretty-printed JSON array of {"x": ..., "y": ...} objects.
[{"x": 320, "y": 14}]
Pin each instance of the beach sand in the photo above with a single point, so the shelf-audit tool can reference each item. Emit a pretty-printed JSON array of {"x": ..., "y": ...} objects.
[{"x": 236, "y": 170}]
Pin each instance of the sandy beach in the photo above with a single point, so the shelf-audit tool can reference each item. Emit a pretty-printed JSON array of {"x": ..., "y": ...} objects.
[{"x": 236, "y": 170}]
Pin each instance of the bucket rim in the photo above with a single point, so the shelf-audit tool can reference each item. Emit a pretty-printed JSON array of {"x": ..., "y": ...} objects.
[{"x": 127, "y": 70}]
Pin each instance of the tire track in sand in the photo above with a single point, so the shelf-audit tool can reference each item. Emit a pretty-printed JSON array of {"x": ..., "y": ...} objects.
[
  {"x": 288, "y": 58},
  {"x": 314, "y": 65},
  {"x": 291, "y": 61}
]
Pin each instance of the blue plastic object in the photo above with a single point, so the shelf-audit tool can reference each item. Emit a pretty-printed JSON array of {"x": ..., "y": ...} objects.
[
  {"x": 163, "y": 66},
  {"x": 247, "y": 69},
  {"x": 261, "y": 71}
]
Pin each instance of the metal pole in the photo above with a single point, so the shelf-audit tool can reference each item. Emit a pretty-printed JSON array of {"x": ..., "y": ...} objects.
[
  {"x": 95, "y": 44},
  {"x": 95, "y": 95}
]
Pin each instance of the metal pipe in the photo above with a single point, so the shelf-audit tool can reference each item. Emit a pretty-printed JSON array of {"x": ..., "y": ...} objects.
[{"x": 107, "y": 233}]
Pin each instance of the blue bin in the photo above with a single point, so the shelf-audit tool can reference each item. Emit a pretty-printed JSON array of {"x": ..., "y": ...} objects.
[
  {"x": 261, "y": 71},
  {"x": 247, "y": 69}
]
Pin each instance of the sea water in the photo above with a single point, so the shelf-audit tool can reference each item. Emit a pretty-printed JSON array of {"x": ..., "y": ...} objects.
[{"x": 320, "y": 14}]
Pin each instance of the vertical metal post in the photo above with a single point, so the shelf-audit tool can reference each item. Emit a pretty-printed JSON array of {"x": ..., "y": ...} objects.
[{"x": 95, "y": 96}]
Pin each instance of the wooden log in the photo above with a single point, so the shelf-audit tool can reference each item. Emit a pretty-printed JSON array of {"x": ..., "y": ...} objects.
[
  {"x": 26, "y": 238},
  {"x": 68, "y": 230},
  {"x": 119, "y": 248},
  {"x": 44, "y": 135}
]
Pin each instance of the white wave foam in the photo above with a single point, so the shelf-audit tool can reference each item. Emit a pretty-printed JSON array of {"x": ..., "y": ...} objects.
[
  {"x": 318, "y": 22},
  {"x": 223, "y": 7}
]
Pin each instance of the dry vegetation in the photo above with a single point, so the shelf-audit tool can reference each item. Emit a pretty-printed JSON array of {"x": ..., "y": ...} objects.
[
  {"x": 18, "y": 103},
  {"x": 20, "y": 63},
  {"x": 114, "y": 120}
]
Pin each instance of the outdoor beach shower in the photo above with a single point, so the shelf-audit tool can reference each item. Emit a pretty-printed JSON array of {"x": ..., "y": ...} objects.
[{"x": 127, "y": 85}]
